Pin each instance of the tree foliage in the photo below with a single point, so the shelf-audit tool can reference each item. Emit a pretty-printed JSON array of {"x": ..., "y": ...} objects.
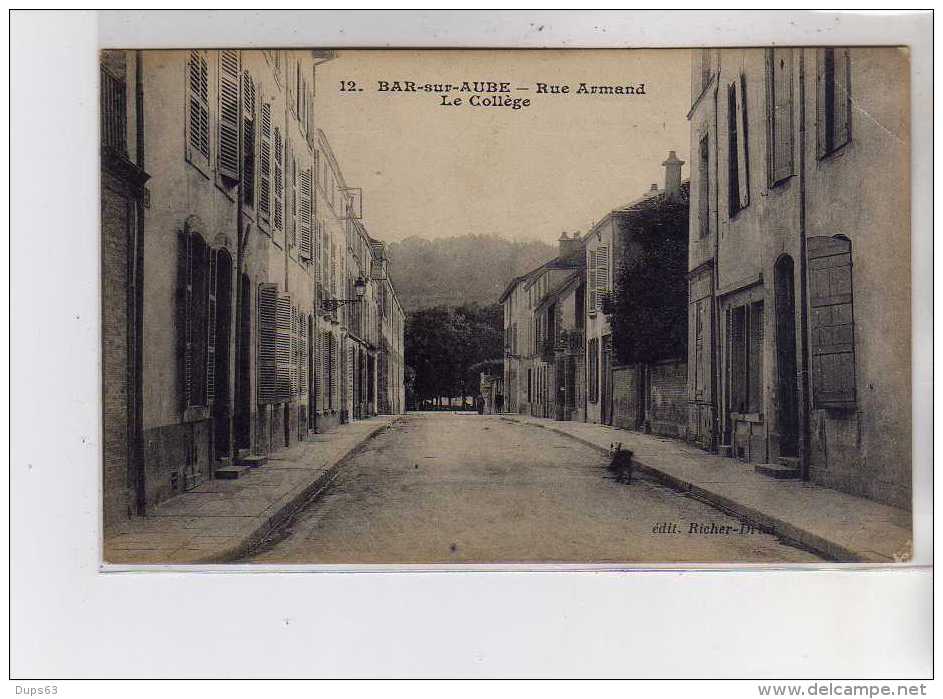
[
  {"x": 443, "y": 343},
  {"x": 648, "y": 310}
]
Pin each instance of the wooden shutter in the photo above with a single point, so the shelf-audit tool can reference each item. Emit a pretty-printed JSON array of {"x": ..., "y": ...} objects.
[
  {"x": 227, "y": 153},
  {"x": 592, "y": 281},
  {"x": 324, "y": 392},
  {"x": 303, "y": 355},
  {"x": 743, "y": 146},
  {"x": 305, "y": 215},
  {"x": 780, "y": 79},
  {"x": 279, "y": 184},
  {"x": 266, "y": 361},
  {"x": 833, "y": 99},
  {"x": 295, "y": 354},
  {"x": 333, "y": 370},
  {"x": 294, "y": 196},
  {"x": 211, "y": 331},
  {"x": 184, "y": 303},
  {"x": 833, "y": 330},
  {"x": 283, "y": 348},
  {"x": 199, "y": 304},
  {"x": 602, "y": 274},
  {"x": 265, "y": 162},
  {"x": 248, "y": 140},
  {"x": 198, "y": 125}
]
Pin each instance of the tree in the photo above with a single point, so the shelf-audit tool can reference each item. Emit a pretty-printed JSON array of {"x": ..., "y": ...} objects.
[{"x": 648, "y": 311}]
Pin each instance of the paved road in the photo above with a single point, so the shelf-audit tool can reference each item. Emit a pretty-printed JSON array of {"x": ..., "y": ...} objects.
[{"x": 441, "y": 488}]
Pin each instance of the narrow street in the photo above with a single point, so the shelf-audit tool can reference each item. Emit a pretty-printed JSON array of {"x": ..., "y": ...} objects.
[{"x": 459, "y": 488}]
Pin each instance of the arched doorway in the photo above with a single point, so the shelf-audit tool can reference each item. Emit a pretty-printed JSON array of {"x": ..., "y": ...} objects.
[{"x": 788, "y": 383}]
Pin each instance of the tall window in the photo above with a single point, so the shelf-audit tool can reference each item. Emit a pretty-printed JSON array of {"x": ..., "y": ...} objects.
[
  {"x": 193, "y": 319},
  {"x": 229, "y": 115},
  {"x": 198, "y": 110},
  {"x": 265, "y": 161},
  {"x": 703, "y": 188},
  {"x": 779, "y": 114},
  {"x": 593, "y": 359},
  {"x": 745, "y": 351},
  {"x": 248, "y": 140},
  {"x": 833, "y": 101},
  {"x": 738, "y": 172},
  {"x": 701, "y": 356},
  {"x": 704, "y": 57},
  {"x": 833, "y": 325}
]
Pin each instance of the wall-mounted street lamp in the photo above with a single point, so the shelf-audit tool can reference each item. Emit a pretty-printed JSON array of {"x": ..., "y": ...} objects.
[{"x": 360, "y": 288}]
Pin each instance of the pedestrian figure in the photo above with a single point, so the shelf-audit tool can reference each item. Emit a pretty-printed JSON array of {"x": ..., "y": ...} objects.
[{"x": 621, "y": 463}]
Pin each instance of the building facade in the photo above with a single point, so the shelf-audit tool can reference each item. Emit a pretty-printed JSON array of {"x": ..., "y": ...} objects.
[
  {"x": 799, "y": 257},
  {"x": 248, "y": 235}
]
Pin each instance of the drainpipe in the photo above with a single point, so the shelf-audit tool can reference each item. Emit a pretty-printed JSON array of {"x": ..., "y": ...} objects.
[
  {"x": 137, "y": 421},
  {"x": 804, "y": 389},
  {"x": 236, "y": 317},
  {"x": 715, "y": 314}
]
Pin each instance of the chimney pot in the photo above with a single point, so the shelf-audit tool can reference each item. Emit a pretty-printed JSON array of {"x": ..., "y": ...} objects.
[{"x": 672, "y": 174}]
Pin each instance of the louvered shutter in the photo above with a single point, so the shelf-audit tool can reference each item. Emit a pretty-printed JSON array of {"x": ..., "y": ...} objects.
[
  {"x": 283, "y": 348},
  {"x": 294, "y": 197},
  {"x": 349, "y": 374},
  {"x": 279, "y": 184},
  {"x": 602, "y": 274},
  {"x": 198, "y": 140},
  {"x": 303, "y": 387},
  {"x": 295, "y": 358},
  {"x": 199, "y": 303},
  {"x": 743, "y": 146},
  {"x": 842, "y": 97},
  {"x": 325, "y": 389},
  {"x": 265, "y": 162},
  {"x": 227, "y": 153},
  {"x": 833, "y": 330},
  {"x": 248, "y": 140},
  {"x": 333, "y": 371},
  {"x": 211, "y": 332},
  {"x": 592, "y": 280},
  {"x": 184, "y": 296},
  {"x": 305, "y": 215},
  {"x": 833, "y": 99},
  {"x": 266, "y": 361},
  {"x": 781, "y": 88}
]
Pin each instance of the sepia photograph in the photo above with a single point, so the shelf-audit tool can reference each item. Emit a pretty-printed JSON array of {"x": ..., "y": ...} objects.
[{"x": 469, "y": 306}]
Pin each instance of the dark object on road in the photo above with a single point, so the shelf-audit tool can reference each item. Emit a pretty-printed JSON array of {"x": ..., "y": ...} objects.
[{"x": 621, "y": 463}]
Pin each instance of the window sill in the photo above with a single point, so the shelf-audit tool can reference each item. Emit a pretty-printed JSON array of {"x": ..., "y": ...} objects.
[
  {"x": 196, "y": 413},
  {"x": 836, "y": 152}
]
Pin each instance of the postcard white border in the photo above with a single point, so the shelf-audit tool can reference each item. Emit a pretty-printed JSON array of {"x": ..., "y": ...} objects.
[{"x": 70, "y": 620}]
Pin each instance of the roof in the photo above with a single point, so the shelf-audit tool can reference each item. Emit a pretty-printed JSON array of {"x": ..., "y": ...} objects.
[
  {"x": 561, "y": 287},
  {"x": 650, "y": 197}
]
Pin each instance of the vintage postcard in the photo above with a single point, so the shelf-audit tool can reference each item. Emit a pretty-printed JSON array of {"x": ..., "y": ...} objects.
[{"x": 588, "y": 307}]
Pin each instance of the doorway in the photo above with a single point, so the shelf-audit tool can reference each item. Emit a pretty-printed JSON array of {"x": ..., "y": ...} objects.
[
  {"x": 606, "y": 380},
  {"x": 243, "y": 417},
  {"x": 221, "y": 409},
  {"x": 788, "y": 383}
]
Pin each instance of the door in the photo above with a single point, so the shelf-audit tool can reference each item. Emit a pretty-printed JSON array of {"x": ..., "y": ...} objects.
[
  {"x": 221, "y": 399},
  {"x": 788, "y": 384},
  {"x": 243, "y": 417},
  {"x": 606, "y": 381}
]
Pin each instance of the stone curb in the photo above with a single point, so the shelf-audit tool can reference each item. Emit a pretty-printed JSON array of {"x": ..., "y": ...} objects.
[
  {"x": 284, "y": 509},
  {"x": 786, "y": 531}
]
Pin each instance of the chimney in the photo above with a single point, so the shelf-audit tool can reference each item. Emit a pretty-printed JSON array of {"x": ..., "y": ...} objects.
[
  {"x": 672, "y": 174},
  {"x": 569, "y": 247},
  {"x": 653, "y": 188}
]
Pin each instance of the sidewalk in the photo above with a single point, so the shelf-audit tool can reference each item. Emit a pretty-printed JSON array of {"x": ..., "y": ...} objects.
[
  {"x": 221, "y": 520},
  {"x": 834, "y": 524}
]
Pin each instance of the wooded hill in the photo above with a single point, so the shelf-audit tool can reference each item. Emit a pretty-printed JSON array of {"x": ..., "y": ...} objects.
[{"x": 472, "y": 269}]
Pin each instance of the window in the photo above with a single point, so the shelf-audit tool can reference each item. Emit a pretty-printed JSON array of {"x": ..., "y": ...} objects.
[
  {"x": 738, "y": 173},
  {"x": 227, "y": 153},
  {"x": 704, "y": 65},
  {"x": 248, "y": 140},
  {"x": 833, "y": 329},
  {"x": 198, "y": 111},
  {"x": 779, "y": 114},
  {"x": 265, "y": 162},
  {"x": 701, "y": 356},
  {"x": 703, "y": 188},
  {"x": 194, "y": 310},
  {"x": 307, "y": 251},
  {"x": 530, "y": 387},
  {"x": 601, "y": 276},
  {"x": 266, "y": 361},
  {"x": 278, "y": 177},
  {"x": 593, "y": 357},
  {"x": 745, "y": 350},
  {"x": 833, "y": 102}
]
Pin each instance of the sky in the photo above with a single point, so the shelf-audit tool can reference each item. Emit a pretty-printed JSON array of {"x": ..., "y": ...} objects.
[{"x": 557, "y": 165}]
